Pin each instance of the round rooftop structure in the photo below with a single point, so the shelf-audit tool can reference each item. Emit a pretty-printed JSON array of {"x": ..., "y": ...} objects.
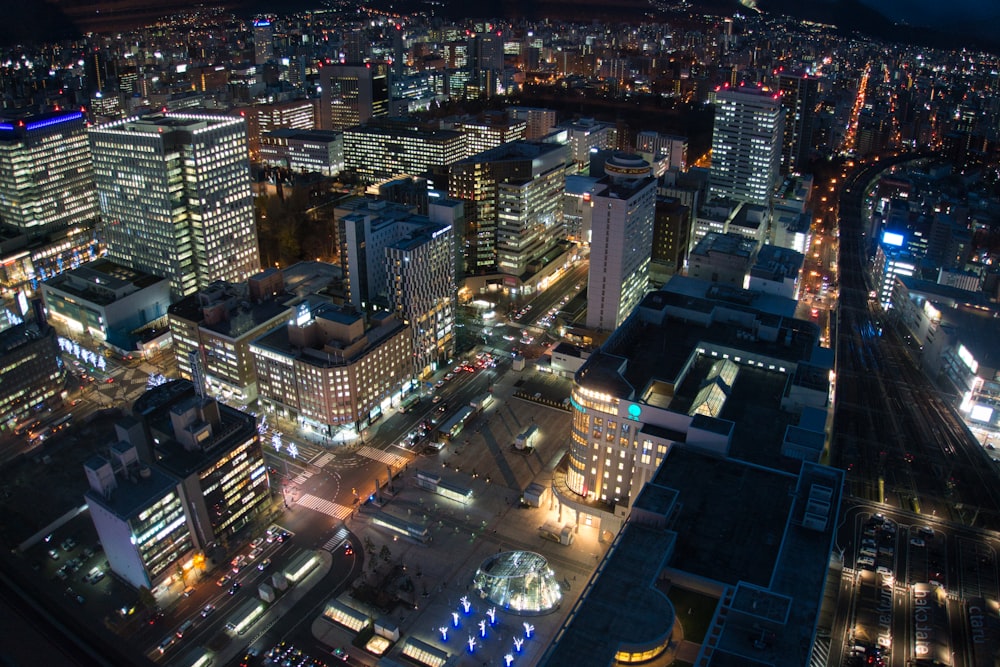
[
  {"x": 519, "y": 582},
  {"x": 627, "y": 166}
]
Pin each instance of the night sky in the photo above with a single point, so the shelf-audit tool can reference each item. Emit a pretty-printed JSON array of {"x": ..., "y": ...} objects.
[{"x": 936, "y": 12}]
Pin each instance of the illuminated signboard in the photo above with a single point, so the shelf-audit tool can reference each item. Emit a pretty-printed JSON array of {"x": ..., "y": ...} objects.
[
  {"x": 968, "y": 359},
  {"x": 303, "y": 315},
  {"x": 981, "y": 413},
  {"x": 891, "y": 238}
]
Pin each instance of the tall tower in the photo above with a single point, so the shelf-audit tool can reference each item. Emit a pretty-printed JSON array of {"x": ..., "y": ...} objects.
[
  {"x": 175, "y": 195},
  {"x": 263, "y": 44},
  {"x": 746, "y": 145},
  {"x": 799, "y": 97},
  {"x": 46, "y": 176},
  {"x": 621, "y": 241},
  {"x": 352, "y": 95}
]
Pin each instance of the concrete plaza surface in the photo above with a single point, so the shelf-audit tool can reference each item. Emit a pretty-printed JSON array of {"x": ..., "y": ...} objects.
[{"x": 464, "y": 535}]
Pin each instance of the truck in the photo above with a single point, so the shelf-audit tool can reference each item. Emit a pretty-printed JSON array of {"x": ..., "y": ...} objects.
[
  {"x": 480, "y": 403},
  {"x": 526, "y": 439},
  {"x": 550, "y": 530}
]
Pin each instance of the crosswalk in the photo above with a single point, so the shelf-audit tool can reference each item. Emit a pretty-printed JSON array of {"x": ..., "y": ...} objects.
[
  {"x": 820, "y": 656},
  {"x": 303, "y": 476},
  {"x": 338, "y": 538},
  {"x": 322, "y": 460},
  {"x": 384, "y": 457},
  {"x": 324, "y": 506}
]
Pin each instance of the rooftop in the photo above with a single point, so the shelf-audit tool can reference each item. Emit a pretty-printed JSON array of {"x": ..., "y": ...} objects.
[
  {"x": 102, "y": 281},
  {"x": 131, "y": 495}
]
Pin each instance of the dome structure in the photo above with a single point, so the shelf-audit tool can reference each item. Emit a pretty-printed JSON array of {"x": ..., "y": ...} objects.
[{"x": 520, "y": 582}]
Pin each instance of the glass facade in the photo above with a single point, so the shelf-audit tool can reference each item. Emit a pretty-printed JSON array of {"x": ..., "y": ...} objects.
[
  {"x": 520, "y": 582},
  {"x": 160, "y": 533}
]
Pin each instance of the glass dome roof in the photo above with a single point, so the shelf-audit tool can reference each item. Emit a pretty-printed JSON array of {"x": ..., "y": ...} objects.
[{"x": 520, "y": 582}]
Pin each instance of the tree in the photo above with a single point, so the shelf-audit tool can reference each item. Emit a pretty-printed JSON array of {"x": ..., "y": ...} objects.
[
  {"x": 146, "y": 599},
  {"x": 385, "y": 554}
]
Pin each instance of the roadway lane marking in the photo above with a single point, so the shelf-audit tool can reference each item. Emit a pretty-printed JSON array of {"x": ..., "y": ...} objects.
[
  {"x": 324, "y": 506},
  {"x": 384, "y": 457}
]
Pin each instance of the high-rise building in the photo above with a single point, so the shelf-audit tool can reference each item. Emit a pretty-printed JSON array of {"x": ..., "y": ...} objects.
[
  {"x": 46, "y": 176},
  {"x": 263, "y": 46},
  {"x": 621, "y": 241},
  {"x": 352, "y": 95},
  {"x": 656, "y": 146},
  {"x": 175, "y": 194},
  {"x": 261, "y": 118},
  {"x": 379, "y": 152},
  {"x": 799, "y": 98},
  {"x": 421, "y": 270},
  {"x": 514, "y": 204},
  {"x": 746, "y": 145}
]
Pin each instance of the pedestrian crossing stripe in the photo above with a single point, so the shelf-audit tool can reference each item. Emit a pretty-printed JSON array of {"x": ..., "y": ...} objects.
[
  {"x": 384, "y": 457},
  {"x": 306, "y": 474},
  {"x": 323, "y": 460},
  {"x": 324, "y": 506},
  {"x": 338, "y": 538}
]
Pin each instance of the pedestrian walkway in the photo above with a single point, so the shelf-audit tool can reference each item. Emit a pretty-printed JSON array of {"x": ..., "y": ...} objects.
[
  {"x": 324, "y": 506},
  {"x": 384, "y": 457},
  {"x": 303, "y": 476},
  {"x": 322, "y": 460},
  {"x": 338, "y": 539}
]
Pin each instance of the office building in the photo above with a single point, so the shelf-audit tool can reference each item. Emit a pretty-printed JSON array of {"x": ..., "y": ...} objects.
[
  {"x": 264, "y": 118},
  {"x": 175, "y": 196},
  {"x": 514, "y": 201},
  {"x": 722, "y": 258},
  {"x": 671, "y": 149},
  {"x": 316, "y": 151},
  {"x": 746, "y": 145},
  {"x": 583, "y": 137},
  {"x": 263, "y": 45},
  {"x": 377, "y": 153},
  {"x": 214, "y": 453},
  {"x": 621, "y": 241},
  {"x": 213, "y": 328},
  {"x": 352, "y": 95},
  {"x": 46, "y": 175},
  {"x": 538, "y": 122},
  {"x": 366, "y": 227},
  {"x": 107, "y": 302},
  {"x": 31, "y": 371},
  {"x": 799, "y": 99},
  {"x": 421, "y": 272},
  {"x": 489, "y": 130},
  {"x": 671, "y": 230},
  {"x": 139, "y": 516},
  {"x": 332, "y": 369},
  {"x": 24, "y": 267},
  {"x": 776, "y": 271}
]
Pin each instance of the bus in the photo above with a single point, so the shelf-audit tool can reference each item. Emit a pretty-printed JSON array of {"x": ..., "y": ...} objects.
[
  {"x": 61, "y": 423},
  {"x": 409, "y": 403},
  {"x": 453, "y": 427},
  {"x": 26, "y": 425}
]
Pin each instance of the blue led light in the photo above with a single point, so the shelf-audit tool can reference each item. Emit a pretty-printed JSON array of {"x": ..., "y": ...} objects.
[
  {"x": 6, "y": 127},
  {"x": 38, "y": 124}
]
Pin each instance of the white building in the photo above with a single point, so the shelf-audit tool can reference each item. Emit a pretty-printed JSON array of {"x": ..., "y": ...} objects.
[
  {"x": 746, "y": 145},
  {"x": 175, "y": 196},
  {"x": 621, "y": 241},
  {"x": 304, "y": 150}
]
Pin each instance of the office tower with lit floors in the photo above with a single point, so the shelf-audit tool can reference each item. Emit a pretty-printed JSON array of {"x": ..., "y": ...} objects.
[
  {"x": 46, "y": 176},
  {"x": 746, "y": 145},
  {"x": 352, "y": 95},
  {"x": 175, "y": 196},
  {"x": 799, "y": 98},
  {"x": 621, "y": 242}
]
